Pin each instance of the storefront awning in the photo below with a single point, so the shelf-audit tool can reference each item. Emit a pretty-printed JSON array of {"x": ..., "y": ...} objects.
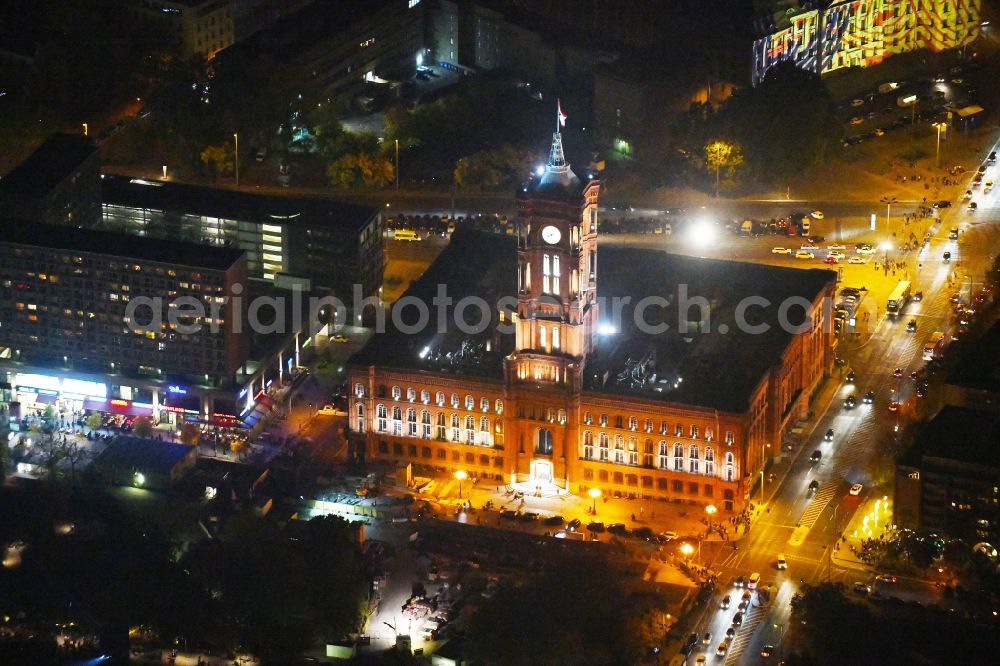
[{"x": 117, "y": 406}]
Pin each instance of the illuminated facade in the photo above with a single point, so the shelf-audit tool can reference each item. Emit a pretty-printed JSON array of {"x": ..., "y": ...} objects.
[
  {"x": 539, "y": 395},
  {"x": 860, "y": 33}
]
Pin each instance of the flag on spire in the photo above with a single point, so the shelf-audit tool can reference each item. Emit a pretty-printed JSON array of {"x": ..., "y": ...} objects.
[{"x": 560, "y": 116}]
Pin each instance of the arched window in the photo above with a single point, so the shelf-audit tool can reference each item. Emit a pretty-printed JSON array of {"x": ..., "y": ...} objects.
[
  {"x": 709, "y": 434},
  {"x": 456, "y": 434},
  {"x": 359, "y": 390},
  {"x": 470, "y": 429},
  {"x": 633, "y": 423},
  {"x": 396, "y": 393},
  {"x": 360, "y": 421},
  {"x": 694, "y": 431},
  {"x": 498, "y": 407},
  {"x": 619, "y": 449},
  {"x": 484, "y": 404},
  {"x": 649, "y": 425},
  {"x": 381, "y": 422},
  {"x": 544, "y": 442},
  {"x": 693, "y": 459},
  {"x": 730, "y": 467},
  {"x": 397, "y": 421},
  {"x": 709, "y": 461},
  {"x": 380, "y": 391},
  {"x": 442, "y": 428},
  {"x": 602, "y": 449},
  {"x": 411, "y": 422},
  {"x": 664, "y": 455},
  {"x": 562, "y": 417},
  {"x": 588, "y": 418},
  {"x": 425, "y": 421},
  {"x": 439, "y": 399},
  {"x": 411, "y": 394},
  {"x": 633, "y": 451},
  {"x": 647, "y": 453},
  {"x": 454, "y": 400},
  {"x": 484, "y": 431},
  {"x": 588, "y": 445},
  {"x": 678, "y": 457},
  {"x": 470, "y": 402},
  {"x": 425, "y": 397}
]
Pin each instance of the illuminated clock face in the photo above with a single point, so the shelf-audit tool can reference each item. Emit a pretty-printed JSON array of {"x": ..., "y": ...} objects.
[{"x": 551, "y": 235}]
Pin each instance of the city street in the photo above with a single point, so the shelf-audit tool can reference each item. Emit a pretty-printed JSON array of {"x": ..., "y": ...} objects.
[{"x": 864, "y": 445}]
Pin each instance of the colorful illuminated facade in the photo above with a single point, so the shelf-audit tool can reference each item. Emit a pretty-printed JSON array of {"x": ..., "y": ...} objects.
[{"x": 860, "y": 33}]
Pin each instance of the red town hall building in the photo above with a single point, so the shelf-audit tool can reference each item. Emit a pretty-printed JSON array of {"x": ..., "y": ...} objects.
[{"x": 635, "y": 377}]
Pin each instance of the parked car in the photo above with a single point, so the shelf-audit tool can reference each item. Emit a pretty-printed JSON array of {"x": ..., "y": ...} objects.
[{"x": 855, "y": 260}]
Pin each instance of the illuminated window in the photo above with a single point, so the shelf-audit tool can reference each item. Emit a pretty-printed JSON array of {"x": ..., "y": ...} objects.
[
  {"x": 425, "y": 397},
  {"x": 633, "y": 451},
  {"x": 439, "y": 399},
  {"x": 441, "y": 427},
  {"x": 588, "y": 418},
  {"x": 588, "y": 445},
  {"x": 543, "y": 444},
  {"x": 411, "y": 394},
  {"x": 484, "y": 431},
  {"x": 730, "y": 439},
  {"x": 602, "y": 449},
  {"x": 678, "y": 457},
  {"x": 693, "y": 459},
  {"x": 470, "y": 402},
  {"x": 546, "y": 273},
  {"x": 604, "y": 420},
  {"x": 555, "y": 337},
  {"x": 454, "y": 400},
  {"x": 456, "y": 433},
  {"x": 397, "y": 421},
  {"x": 484, "y": 404},
  {"x": 730, "y": 471},
  {"x": 633, "y": 423},
  {"x": 360, "y": 417},
  {"x": 396, "y": 393},
  {"x": 381, "y": 422},
  {"x": 709, "y": 461},
  {"x": 498, "y": 407},
  {"x": 470, "y": 429},
  {"x": 664, "y": 457},
  {"x": 555, "y": 274},
  {"x": 425, "y": 422}
]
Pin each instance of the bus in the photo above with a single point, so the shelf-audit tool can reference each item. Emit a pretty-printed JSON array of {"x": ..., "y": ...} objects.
[
  {"x": 898, "y": 298},
  {"x": 935, "y": 346}
]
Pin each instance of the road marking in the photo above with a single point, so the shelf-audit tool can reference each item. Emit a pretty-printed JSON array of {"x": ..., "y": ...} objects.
[{"x": 751, "y": 620}]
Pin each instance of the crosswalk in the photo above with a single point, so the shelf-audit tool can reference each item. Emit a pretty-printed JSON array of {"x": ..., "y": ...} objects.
[
  {"x": 816, "y": 506},
  {"x": 751, "y": 620}
]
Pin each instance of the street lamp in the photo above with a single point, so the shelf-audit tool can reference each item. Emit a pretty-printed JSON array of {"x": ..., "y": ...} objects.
[
  {"x": 937, "y": 150},
  {"x": 236, "y": 161},
  {"x": 687, "y": 549},
  {"x": 888, "y": 201},
  {"x": 461, "y": 476},
  {"x": 886, "y": 246},
  {"x": 594, "y": 494},
  {"x": 763, "y": 464},
  {"x": 710, "y": 510},
  {"x": 397, "y": 165}
]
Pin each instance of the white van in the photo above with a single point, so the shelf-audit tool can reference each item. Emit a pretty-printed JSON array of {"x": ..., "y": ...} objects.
[{"x": 405, "y": 235}]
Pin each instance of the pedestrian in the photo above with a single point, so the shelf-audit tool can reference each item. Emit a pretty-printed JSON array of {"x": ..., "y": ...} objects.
[{"x": 633, "y": 517}]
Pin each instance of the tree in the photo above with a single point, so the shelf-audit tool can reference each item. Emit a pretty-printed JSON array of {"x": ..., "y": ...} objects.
[
  {"x": 143, "y": 427},
  {"x": 93, "y": 421},
  {"x": 218, "y": 158},
  {"x": 720, "y": 154},
  {"x": 371, "y": 170},
  {"x": 190, "y": 434}
]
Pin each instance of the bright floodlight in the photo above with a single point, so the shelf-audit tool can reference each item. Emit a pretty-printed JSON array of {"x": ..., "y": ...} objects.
[
  {"x": 687, "y": 549},
  {"x": 886, "y": 246},
  {"x": 606, "y": 329},
  {"x": 702, "y": 233},
  {"x": 539, "y": 170},
  {"x": 594, "y": 492},
  {"x": 461, "y": 475}
]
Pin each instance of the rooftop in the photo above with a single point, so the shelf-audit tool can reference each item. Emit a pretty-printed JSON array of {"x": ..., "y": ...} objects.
[
  {"x": 142, "y": 454},
  {"x": 49, "y": 165},
  {"x": 979, "y": 367},
  {"x": 118, "y": 245},
  {"x": 718, "y": 368},
  {"x": 958, "y": 433},
  {"x": 233, "y": 204}
]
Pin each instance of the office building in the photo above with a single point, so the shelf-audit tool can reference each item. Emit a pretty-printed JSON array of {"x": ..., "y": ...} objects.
[
  {"x": 323, "y": 244},
  {"x": 201, "y": 27},
  {"x": 60, "y": 183}
]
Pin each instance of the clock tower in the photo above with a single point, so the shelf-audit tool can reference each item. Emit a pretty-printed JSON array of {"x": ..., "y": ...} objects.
[{"x": 557, "y": 275}]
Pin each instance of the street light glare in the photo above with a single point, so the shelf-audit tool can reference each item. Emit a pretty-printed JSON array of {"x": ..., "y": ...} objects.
[
  {"x": 594, "y": 492},
  {"x": 703, "y": 233}
]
